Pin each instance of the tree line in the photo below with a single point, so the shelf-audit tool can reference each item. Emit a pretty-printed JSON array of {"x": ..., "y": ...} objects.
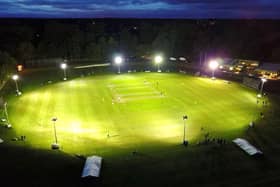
[{"x": 99, "y": 39}]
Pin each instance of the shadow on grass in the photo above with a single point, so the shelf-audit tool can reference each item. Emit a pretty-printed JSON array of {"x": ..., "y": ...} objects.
[{"x": 22, "y": 166}]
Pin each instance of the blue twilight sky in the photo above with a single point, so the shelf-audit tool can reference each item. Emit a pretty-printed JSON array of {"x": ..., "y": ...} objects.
[{"x": 140, "y": 8}]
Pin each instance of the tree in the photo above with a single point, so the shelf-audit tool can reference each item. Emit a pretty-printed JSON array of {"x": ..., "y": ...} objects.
[
  {"x": 7, "y": 66},
  {"x": 93, "y": 51},
  {"x": 112, "y": 46},
  {"x": 24, "y": 52},
  {"x": 128, "y": 42}
]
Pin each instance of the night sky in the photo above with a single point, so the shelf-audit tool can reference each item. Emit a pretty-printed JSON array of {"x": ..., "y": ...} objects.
[{"x": 140, "y": 8}]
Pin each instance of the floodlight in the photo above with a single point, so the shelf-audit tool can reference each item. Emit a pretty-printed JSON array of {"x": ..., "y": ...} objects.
[
  {"x": 15, "y": 77},
  {"x": 63, "y": 66},
  {"x": 213, "y": 64},
  {"x": 158, "y": 59},
  {"x": 118, "y": 60}
]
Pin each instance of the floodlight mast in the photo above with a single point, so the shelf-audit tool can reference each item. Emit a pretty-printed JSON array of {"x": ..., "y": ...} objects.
[
  {"x": 6, "y": 112},
  {"x": 185, "y": 142},
  {"x": 15, "y": 78},
  {"x": 158, "y": 60},
  {"x": 55, "y": 145},
  {"x": 213, "y": 64},
  {"x": 64, "y": 66},
  {"x": 118, "y": 61},
  {"x": 263, "y": 80}
]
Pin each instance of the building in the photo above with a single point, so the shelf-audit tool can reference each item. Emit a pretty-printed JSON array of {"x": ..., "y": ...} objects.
[
  {"x": 269, "y": 71},
  {"x": 238, "y": 66}
]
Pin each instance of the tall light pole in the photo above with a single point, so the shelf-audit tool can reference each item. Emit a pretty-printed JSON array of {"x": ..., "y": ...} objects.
[
  {"x": 263, "y": 80},
  {"x": 15, "y": 78},
  {"x": 64, "y": 66},
  {"x": 55, "y": 145},
  {"x": 185, "y": 142},
  {"x": 6, "y": 112},
  {"x": 118, "y": 61},
  {"x": 158, "y": 60},
  {"x": 213, "y": 65}
]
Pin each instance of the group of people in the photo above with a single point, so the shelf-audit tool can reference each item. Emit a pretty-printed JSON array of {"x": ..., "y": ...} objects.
[
  {"x": 21, "y": 138},
  {"x": 219, "y": 141},
  {"x": 208, "y": 140}
]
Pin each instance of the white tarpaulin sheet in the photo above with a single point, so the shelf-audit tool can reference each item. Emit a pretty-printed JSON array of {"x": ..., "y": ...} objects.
[
  {"x": 246, "y": 146},
  {"x": 92, "y": 167}
]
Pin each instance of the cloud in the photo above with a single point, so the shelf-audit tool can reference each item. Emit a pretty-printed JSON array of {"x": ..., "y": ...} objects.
[{"x": 141, "y": 8}]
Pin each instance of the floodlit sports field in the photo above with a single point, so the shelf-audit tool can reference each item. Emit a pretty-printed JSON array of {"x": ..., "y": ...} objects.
[{"x": 103, "y": 113}]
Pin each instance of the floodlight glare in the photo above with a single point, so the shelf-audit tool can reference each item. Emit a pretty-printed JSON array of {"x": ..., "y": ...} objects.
[
  {"x": 213, "y": 64},
  {"x": 263, "y": 79},
  {"x": 63, "y": 66},
  {"x": 118, "y": 60},
  {"x": 158, "y": 59},
  {"x": 15, "y": 77}
]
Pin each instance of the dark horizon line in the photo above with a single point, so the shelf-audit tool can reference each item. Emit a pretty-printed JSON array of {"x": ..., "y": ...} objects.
[{"x": 132, "y": 18}]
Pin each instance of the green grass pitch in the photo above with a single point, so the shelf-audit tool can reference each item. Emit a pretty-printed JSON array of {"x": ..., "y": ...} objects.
[{"x": 106, "y": 114}]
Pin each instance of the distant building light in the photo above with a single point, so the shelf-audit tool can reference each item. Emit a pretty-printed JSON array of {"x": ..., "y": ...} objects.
[
  {"x": 172, "y": 59},
  {"x": 182, "y": 59},
  {"x": 221, "y": 67},
  {"x": 19, "y": 67}
]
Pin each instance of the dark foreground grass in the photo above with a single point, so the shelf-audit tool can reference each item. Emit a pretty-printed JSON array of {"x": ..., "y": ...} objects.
[{"x": 209, "y": 165}]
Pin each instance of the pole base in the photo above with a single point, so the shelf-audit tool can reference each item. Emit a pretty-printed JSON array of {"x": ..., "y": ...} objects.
[
  {"x": 55, "y": 146},
  {"x": 65, "y": 79},
  {"x": 185, "y": 143}
]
